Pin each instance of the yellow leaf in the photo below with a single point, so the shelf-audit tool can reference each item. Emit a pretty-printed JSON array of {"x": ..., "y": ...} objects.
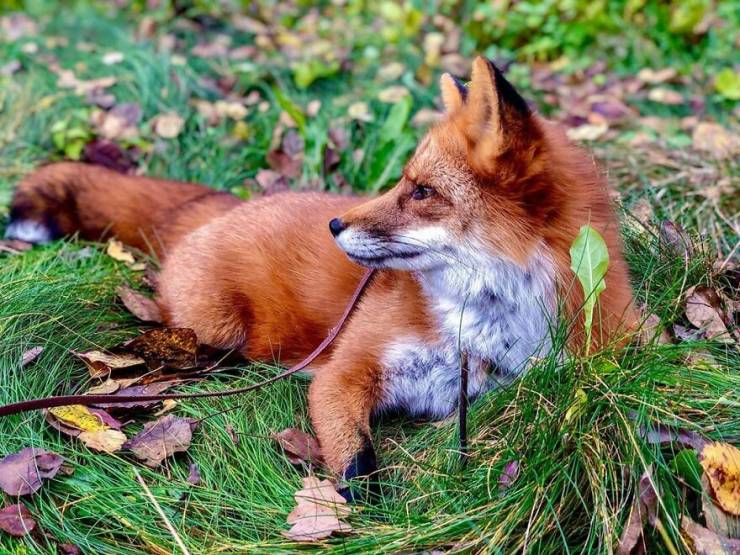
[
  {"x": 78, "y": 417},
  {"x": 108, "y": 441},
  {"x": 721, "y": 464},
  {"x": 116, "y": 251}
]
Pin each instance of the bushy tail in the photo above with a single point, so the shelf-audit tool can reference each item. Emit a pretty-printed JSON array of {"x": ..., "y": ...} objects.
[{"x": 150, "y": 214}]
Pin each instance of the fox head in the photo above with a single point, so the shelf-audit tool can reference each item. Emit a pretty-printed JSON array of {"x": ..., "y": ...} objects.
[{"x": 478, "y": 183}]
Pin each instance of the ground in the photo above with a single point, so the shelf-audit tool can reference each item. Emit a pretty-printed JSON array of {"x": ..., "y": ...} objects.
[{"x": 284, "y": 96}]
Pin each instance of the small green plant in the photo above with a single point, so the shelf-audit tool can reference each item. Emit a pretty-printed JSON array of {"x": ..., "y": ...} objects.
[{"x": 589, "y": 259}]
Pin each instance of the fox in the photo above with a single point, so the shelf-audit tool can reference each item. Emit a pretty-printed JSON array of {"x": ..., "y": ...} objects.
[{"x": 470, "y": 250}]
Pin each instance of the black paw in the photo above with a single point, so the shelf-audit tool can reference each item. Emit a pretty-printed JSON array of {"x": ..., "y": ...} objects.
[{"x": 363, "y": 472}]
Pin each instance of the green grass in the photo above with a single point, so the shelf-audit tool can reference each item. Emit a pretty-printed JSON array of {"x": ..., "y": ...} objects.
[{"x": 577, "y": 476}]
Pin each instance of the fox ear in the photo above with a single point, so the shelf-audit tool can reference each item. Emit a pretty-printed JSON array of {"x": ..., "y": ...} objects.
[
  {"x": 453, "y": 93},
  {"x": 497, "y": 117}
]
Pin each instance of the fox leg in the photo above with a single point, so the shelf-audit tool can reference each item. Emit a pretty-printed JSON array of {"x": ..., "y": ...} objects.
[{"x": 341, "y": 399}]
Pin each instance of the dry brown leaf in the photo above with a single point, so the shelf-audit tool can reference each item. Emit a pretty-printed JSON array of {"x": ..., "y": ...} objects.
[
  {"x": 318, "y": 512},
  {"x": 299, "y": 446},
  {"x": 23, "y": 472},
  {"x": 655, "y": 77},
  {"x": 161, "y": 439},
  {"x": 14, "y": 246},
  {"x": 105, "y": 388},
  {"x": 168, "y": 126},
  {"x": 360, "y": 111},
  {"x": 107, "y": 441},
  {"x": 716, "y": 140},
  {"x": 394, "y": 94},
  {"x": 717, "y": 520},
  {"x": 16, "y": 520},
  {"x": 136, "y": 391},
  {"x": 101, "y": 364},
  {"x": 140, "y": 305},
  {"x": 652, "y": 329},
  {"x": 704, "y": 310},
  {"x": 30, "y": 355},
  {"x": 165, "y": 348},
  {"x": 721, "y": 464},
  {"x": 116, "y": 251},
  {"x": 666, "y": 96},
  {"x": 587, "y": 132},
  {"x": 706, "y": 542}
]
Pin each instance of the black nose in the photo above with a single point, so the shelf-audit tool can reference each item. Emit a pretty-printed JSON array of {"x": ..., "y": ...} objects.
[{"x": 336, "y": 226}]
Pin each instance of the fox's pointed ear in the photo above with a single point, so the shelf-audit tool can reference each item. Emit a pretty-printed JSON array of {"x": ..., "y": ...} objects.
[
  {"x": 453, "y": 93},
  {"x": 496, "y": 116}
]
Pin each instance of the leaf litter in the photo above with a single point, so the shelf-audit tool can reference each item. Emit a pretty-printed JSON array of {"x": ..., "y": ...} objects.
[{"x": 320, "y": 512}]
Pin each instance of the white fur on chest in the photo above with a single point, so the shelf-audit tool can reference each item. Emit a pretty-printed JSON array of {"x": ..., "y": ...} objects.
[{"x": 496, "y": 311}]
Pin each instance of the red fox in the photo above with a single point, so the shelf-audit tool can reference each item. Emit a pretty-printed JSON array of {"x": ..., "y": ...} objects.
[{"x": 472, "y": 245}]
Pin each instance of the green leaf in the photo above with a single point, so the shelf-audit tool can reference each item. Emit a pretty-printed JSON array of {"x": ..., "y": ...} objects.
[
  {"x": 688, "y": 14},
  {"x": 305, "y": 73},
  {"x": 589, "y": 259},
  {"x": 686, "y": 465},
  {"x": 396, "y": 120},
  {"x": 727, "y": 83}
]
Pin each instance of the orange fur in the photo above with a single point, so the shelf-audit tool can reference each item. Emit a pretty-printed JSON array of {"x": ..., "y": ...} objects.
[{"x": 266, "y": 278}]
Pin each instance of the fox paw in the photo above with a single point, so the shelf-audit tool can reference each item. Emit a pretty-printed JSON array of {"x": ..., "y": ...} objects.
[{"x": 363, "y": 472}]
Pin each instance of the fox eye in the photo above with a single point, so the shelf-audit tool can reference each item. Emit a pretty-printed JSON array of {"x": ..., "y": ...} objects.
[{"x": 421, "y": 192}]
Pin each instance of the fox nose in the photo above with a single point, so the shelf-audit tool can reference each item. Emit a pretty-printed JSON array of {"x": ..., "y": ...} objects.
[{"x": 336, "y": 226}]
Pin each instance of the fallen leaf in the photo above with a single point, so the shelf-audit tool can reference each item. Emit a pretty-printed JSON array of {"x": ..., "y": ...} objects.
[
  {"x": 653, "y": 77},
  {"x": 139, "y": 305},
  {"x": 727, "y": 83},
  {"x": 716, "y": 140},
  {"x": 660, "y": 434},
  {"x": 666, "y": 96},
  {"x": 8, "y": 69},
  {"x": 426, "y": 117},
  {"x": 78, "y": 417},
  {"x": 393, "y": 94},
  {"x": 121, "y": 122},
  {"x": 652, "y": 330},
  {"x": 508, "y": 475},
  {"x": 23, "y": 472},
  {"x": 675, "y": 237},
  {"x": 16, "y": 26},
  {"x": 110, "y": 155},
  {"x": 107, "y": 441},
  {"x": 271, "y": 182},
  {"x": 391, "y": 71},
  {"x": 101, "y": 364},
  {"x": 717, "y": 519},
  {"x": 312, "y": 108},
  {"x": 193, "y": 474},
  {"x": 632, "y": 532},
  {"x": 30, "y": 355},
  {"x": 165, "y": 348},
  {"x": 105, "y": 388},
  {"x": 16, "y": 520},
  {"x": 230, "y": 109},
  {"x": 704, "y": 310},
  {"x": 318, "y": 512},
  {"x": 69, "y": 549},
  {"x": 136, "y": 391},
  {"x": 116, "y": 251},
  {"x": 587, "y": 132},
  {"x": 14, "y": 246},
  {"x": 168, "y": 126},
  {"x": 299, "y": 446},
  {"x": 721, "y": 464},
  {"x": 112, "y": 58},
  {"x": 360, "y": 111},
  {"x": 706, "y": 542},
  {"x": 161, "y": 439}
]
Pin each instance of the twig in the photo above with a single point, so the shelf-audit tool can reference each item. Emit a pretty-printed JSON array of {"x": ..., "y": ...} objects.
[
  {"x": 167, "y": 522},
  {"x": 463, "y": 410}
]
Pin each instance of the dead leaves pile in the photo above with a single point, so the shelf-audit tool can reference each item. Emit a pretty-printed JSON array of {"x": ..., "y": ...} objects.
[{"x": 719, "y": 492}]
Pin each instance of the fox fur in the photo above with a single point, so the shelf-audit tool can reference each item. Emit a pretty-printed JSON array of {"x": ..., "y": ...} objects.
[{"x": 472, "y": 245}]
